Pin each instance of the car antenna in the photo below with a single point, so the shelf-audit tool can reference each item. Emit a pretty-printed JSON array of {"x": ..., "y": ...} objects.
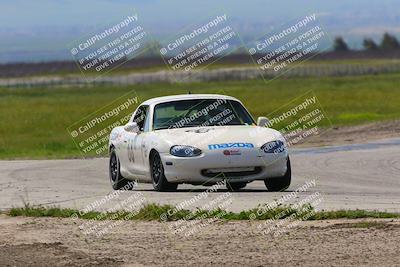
[{"x": 189, "y": 93}]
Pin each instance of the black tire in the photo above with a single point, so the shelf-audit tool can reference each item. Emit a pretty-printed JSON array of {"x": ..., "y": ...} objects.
[
  {"x": 235, "y": 186},
  {"x": 160, "y": 182},
  {"x": 116, "y": 179},
  {"x": 278, "y": 184}
]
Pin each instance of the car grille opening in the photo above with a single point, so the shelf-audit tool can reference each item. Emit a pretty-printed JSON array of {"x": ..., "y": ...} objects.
[{"x": 229, "y": 172}]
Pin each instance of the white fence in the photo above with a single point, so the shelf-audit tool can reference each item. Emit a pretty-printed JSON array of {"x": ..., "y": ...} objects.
[{"x": 226, "y": 74}]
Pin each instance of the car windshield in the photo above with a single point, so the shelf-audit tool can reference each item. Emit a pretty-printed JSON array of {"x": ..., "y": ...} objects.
[{"x": 200, "y": 112}]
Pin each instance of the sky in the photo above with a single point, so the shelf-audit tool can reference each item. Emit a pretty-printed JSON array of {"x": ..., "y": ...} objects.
[{"x": 41, "y": 30}]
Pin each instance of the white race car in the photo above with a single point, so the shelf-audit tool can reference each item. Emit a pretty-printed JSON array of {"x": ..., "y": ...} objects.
[{"x": 199, "y": 139}]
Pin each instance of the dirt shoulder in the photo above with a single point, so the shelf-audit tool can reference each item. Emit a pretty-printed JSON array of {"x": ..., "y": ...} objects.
[
  {"x": 60, "y": 242},
  {"x": 354, "y": 134}
]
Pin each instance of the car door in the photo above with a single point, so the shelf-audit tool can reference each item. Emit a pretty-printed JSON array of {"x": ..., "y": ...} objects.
[
  {"x": 135, "y": 141},
  {"x": 125, "y": 146},
  {"x": 143, "y": 147}
]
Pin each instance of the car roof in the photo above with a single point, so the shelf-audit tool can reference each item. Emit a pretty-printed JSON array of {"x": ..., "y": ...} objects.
[{"x": 163, "y": 99}]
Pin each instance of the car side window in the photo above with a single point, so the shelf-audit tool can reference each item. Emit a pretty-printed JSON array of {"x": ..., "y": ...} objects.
[
  {"x": 140, "y": 117},
  {"x": 147, "y": 121}
]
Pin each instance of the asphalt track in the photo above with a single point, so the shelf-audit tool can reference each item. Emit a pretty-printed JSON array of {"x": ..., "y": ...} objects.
[{"x": 364, "y": 176}]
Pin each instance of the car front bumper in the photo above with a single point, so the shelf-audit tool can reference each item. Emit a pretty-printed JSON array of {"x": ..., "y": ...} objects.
[{"x": 213, "y": 166}]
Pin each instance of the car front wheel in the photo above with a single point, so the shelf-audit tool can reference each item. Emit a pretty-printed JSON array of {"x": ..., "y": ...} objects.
[
  {"x": 277, "y": 184},
  {"x": 160, "y": 183}
]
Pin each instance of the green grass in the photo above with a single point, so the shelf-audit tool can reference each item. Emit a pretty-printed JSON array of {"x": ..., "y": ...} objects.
[
  {"x": 33, "y": 121},
  {"x": 154, "y": 211}
]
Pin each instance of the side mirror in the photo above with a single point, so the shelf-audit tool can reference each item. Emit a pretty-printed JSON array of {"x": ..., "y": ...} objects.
[
  {"x": 132, "y": 127},
  {"x": 263, "y": 121}
]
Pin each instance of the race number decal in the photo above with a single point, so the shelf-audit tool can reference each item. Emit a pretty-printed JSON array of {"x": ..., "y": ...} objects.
[{"x": 131, "y": 154}]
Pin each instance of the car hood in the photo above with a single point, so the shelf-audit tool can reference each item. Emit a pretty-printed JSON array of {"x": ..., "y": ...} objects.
[{"x": 202, "y": 137}]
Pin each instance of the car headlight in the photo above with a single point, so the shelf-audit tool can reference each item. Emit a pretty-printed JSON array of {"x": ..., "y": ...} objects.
[
  {"x": 273, "y": 147},
  {"x": 185, "y": 151}
]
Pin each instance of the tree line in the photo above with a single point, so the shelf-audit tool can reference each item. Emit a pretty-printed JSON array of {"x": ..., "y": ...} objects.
[{"x": 388, "y": 42}]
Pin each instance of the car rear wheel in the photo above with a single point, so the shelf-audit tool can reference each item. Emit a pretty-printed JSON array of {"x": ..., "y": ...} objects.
[
  {"x": 277, "y": 184},
  {"x": 235, "y": 186},
  {"x": 160, "y": 182},
  {"x": 116, "y": 179}
]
